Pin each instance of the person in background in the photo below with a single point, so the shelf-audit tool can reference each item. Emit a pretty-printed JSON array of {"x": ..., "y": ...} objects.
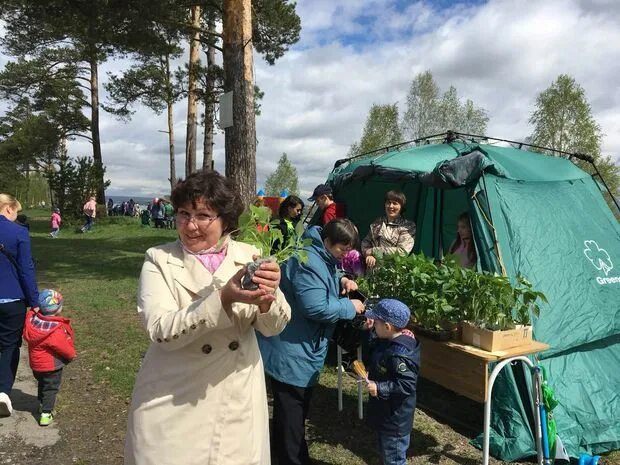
[
  {"x": 390, "y": 233},
  {"x": 131, "y": 207},
  {"x": 110, "y": 207},
  {"x": 22, "y": 220},
  {"x": 18, "y": 290},
  {"x": 289, "y": 213},
  {"x": 55, "y": 221},
  {"x": 392, "y": 379},
  {"x": 50, "y": 347},
  {"x": 160, "y": 214},
  {"x": 324, "y": 198},
  {"x": 90, "y": 211},
  {"x": 463, "y": 246},
  {"x": 169, "y": 215},
  {"x": 316, "y": 291},
  {"x": 200, "y": 396}
]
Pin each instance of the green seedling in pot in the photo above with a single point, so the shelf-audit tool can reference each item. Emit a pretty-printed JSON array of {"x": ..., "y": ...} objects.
[{"x": 257, "y": 228}]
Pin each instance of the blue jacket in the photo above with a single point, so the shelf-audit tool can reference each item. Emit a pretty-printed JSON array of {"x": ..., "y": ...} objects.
[
  {"x": 13, "y": 284},
  {"x": 312, "y": 289},
  {"x": 393, "y": 365}
]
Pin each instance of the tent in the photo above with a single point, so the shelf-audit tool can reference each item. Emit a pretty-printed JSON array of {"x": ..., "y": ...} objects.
[{"x": 533, "y": 214}]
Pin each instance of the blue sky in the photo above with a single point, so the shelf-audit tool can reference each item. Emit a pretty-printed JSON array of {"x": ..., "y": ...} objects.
[{"x": 353, "y": 53}]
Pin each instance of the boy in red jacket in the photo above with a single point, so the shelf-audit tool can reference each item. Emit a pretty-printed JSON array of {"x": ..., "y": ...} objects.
[{"x": 50, "y": 348}]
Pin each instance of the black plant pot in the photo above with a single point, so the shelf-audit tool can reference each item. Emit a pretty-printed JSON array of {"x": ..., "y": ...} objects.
[
  {"x": 252, "y": 267},
  {"x": 435, "y": 334}
]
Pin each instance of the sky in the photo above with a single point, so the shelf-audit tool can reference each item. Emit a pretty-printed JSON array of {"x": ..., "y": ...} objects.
[{"x": 353, "y": 53}]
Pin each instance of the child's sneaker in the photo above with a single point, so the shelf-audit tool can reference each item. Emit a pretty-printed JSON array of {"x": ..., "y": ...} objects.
[{"x": 46, "y": 419}]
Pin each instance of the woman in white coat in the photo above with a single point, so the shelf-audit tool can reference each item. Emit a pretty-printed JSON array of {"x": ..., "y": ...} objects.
[{"x": 200, "y": 398}]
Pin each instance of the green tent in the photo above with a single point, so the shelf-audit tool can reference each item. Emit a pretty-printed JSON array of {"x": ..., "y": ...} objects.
[{"x": 533, "y": 214}]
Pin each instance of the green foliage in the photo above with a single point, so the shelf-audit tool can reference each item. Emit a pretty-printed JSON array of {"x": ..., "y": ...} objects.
[
  {"x": 443, "y": 294},
  {"x": 563, "y": 121},
  {"x": 258, "y": 229},
  {"x": 381, "y": 129},
  {"x": 427, "y": 113},
  {"x": 283, "y": 178},
  {"x": 72, "y": 182},
  {"x": 275, "y": 27}
]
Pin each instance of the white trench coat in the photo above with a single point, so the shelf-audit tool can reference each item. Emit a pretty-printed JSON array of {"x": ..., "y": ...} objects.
[{"x": 200, "y": 397}]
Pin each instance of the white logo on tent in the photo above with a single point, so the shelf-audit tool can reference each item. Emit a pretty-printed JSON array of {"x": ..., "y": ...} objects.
[{"x": 599, "y": 257}]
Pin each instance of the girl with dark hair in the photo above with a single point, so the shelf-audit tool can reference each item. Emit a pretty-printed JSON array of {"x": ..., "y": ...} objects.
[
  {"x": 390, "y": 233},
  {"x": 463, "y": 246},
  {"x": 317, "y": 294},
  {"x": 289, "y": 213},
  {"x": 200, "y": 395}
]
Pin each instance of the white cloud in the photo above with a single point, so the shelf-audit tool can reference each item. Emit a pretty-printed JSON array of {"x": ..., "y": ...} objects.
[{"x": 353, "y": 53}]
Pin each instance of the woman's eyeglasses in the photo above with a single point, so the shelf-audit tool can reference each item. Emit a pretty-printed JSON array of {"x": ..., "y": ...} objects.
[{"x": 199, "y": 219}]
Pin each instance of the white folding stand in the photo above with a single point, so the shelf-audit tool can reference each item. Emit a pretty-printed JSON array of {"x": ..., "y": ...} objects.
[
  {"x": 360, "y": 386},
  {"x": 487, "y": 409}
]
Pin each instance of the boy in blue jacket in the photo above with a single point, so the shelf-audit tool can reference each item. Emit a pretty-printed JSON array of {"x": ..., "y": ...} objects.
[{"x": 393, "y": 368}]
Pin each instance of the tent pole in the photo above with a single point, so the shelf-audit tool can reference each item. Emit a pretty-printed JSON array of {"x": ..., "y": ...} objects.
[
  {"x": 434, "y": 248},
  {"x": 613, "y": 198},
  {"x": 440, "y": 242}
]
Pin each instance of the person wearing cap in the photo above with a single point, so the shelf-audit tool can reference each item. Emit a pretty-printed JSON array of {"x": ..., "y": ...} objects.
[
  {"x": 50, "y": 348},
  {"x": 394, "y": 362},
  {"x": 391, "y": 233},
  {"x": 324, "y": 198}
]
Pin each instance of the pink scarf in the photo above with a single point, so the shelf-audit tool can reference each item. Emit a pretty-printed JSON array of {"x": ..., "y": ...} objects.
[{"x": 213, "y": 257}]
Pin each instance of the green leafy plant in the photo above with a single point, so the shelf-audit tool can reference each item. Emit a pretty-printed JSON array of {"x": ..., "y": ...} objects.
[
  {"x": 257, "y": 228},
  {"x": 442, "y": 294}
]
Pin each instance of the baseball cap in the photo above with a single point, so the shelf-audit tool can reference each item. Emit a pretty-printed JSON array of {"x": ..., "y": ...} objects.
[
  {"x": 391, "y": 311},
  {"x": 321, "y": 189}
]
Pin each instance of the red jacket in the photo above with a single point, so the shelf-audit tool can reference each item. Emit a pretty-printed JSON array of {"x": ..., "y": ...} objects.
[
  {"x": 50, "y": 341},
  {"x": 329, "y": 213}
]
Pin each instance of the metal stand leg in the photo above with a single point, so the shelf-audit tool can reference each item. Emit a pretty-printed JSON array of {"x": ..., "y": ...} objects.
[
  {"x": 360, "y": 390},
  {"x": 487, "y": 406},
  {"x": 339, "y": 363}
]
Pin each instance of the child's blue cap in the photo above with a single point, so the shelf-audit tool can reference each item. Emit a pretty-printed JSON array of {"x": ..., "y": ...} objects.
[
  {"x": 50, "y": 302},
  {"x": 391, "y": 311}
]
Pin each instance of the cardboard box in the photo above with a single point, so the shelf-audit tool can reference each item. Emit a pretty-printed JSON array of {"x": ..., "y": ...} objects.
[{"x": 494, "y": 341}]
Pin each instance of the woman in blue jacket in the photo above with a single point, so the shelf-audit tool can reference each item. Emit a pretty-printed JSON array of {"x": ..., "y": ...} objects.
[
  {"x": 316, "y": 292},
  {"x": 18, "y": 290}
]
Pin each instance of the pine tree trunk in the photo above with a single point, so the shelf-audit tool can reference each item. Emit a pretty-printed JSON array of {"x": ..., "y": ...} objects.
[
  {"x": 192, "y": 101},
  {"x": 207, "y": 159},
  {"x": 94, "y": 123},
  {"x": 173, "y": 169},
  {"x": 238, "y": 72}
]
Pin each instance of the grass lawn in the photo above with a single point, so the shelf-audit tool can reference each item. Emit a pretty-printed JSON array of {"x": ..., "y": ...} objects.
[{"x": 98, "y": 274}]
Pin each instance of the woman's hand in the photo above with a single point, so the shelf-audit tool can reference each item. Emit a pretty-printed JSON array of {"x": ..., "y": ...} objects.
[
  {"x": 347, "y": 285},
  {"x": 371, "y": 261},
  {"x": 268, "y": 279}
]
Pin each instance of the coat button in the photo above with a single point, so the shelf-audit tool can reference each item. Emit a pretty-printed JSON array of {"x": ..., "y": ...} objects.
[
  {"x": 206, "y": 349},
  {"x": 193, "y": 326},
  {"x": 234, "y": 345}
]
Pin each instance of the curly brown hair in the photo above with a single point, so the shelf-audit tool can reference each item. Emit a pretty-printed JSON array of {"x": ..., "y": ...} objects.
[{"x": 215, "y": 190}]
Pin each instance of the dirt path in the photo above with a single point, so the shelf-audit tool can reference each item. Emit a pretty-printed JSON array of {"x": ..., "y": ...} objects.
[{"x": 88, "y": 429}]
